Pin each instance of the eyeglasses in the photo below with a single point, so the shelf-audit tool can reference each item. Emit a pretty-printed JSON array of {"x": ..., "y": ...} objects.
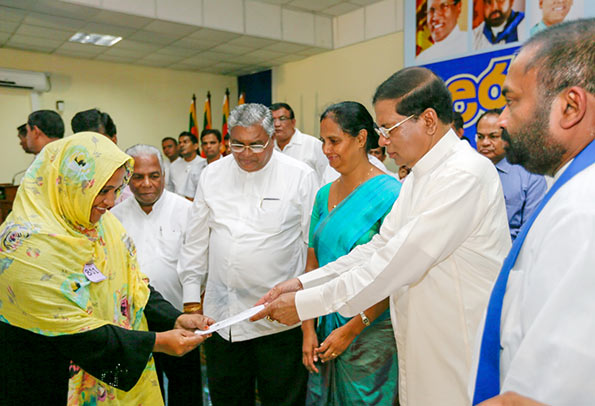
[
  {"x": 256, "y": 148},
  {"x": 442, "y": 8},
  {"x": 386, "y": 132}
]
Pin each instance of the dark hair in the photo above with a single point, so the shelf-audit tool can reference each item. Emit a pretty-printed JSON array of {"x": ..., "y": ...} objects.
[
  {"x": 491, "y": 112},
  {"x": 93, "y": 120},
  {"x": 189, "y": 135},
  {"x": 416, "y": 90},
  {"x": 22, "y": 129},
  {"x": 48, "y": 121},
  {"x": 108, "y": 124},
  {"x": 352, "y": 117},
  {"x": 170, "y": 139},
  {"x": 213, "y": 131},
  {"x": 457, "y": 120},
  {"x": 564, "y": 56},
  {"x": 88, "y": 120},
  {"x": 278, "y": 106}
]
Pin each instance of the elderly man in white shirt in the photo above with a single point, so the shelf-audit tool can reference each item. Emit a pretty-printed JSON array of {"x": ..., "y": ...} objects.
[
  {"x": 157, "y": 221},
  {"x": 437, "y": 253},
  {"x": 295, "y": 143},
  {"x": 248, "y": 236}
]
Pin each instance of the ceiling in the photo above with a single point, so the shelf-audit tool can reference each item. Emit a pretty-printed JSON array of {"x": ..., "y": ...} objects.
[{"x": 46, "y": 25}]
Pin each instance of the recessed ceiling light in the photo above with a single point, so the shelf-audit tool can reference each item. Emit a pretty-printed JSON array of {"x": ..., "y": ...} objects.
[{"x": 95, "y": 39}]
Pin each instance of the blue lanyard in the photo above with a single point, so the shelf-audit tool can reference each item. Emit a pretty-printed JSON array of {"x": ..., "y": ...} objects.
[{"x": 487, "y": 383}]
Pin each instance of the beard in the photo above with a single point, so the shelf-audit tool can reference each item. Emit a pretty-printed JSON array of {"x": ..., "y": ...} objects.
[
  {"x": 495, "y": 19},
  {"x": 533, "y": 145}
]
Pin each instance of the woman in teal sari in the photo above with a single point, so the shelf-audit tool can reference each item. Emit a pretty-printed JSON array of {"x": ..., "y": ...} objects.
[{"x": 358, "y": 355}]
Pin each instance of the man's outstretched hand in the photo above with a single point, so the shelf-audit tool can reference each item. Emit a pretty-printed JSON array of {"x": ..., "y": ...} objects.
[
  {"x": 281, "y": 310},
  {"x": 291, "y": 285}
]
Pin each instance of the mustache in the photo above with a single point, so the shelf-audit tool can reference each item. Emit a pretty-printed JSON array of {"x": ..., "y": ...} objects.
[{"x": 495, "y": 14}]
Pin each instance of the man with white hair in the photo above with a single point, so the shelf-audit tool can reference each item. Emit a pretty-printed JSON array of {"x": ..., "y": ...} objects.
[
  {"x": 157, "y": 220},
  {"x": 247, "y": 237}
]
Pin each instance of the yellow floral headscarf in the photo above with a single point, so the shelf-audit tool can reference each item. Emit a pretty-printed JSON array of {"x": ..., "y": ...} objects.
[{"x": 48, "y": 239}]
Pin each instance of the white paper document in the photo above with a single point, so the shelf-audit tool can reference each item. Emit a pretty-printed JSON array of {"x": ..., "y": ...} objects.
[{"x": 246, "y": 314}]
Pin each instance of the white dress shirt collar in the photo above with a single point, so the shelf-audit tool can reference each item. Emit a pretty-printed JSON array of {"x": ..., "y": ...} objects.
[{"x": 437, "y": 154}]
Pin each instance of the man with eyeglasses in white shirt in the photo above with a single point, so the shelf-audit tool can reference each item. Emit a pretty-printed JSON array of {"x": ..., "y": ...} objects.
[
  {"x": 247, "y": 237},
  {"x": 436, "y": 255},
  {"x": 293, "y": 142}
]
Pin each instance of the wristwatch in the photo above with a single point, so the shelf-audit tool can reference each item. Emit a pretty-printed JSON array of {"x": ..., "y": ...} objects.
[{"x": 365, "y": 319}]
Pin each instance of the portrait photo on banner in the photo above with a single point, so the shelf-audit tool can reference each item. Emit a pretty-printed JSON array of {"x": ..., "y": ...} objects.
[
  {"x": 440, "y": 27},
  {"x": 498, "y": 23},
  {"x": 545, "y": 13}
]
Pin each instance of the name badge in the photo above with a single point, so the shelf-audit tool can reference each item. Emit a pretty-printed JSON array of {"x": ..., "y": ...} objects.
[{"x": 93, "y": 274}]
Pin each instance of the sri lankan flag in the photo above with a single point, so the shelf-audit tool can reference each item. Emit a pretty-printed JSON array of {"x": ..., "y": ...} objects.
[
  {"x": 207, "y": 122},
  {"x": 225, "y": 113},
  {"x": 192, "y": 125},
  {"x": 242, "y": 98}
]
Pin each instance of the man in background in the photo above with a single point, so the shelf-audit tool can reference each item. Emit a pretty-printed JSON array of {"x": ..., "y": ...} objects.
[
  {"x": 210, "y": 140},
  {"x": 379, "y": 153},
  {"x": 180, "y": 168},
  {"x": 22, "y": 135},
  {"x": 99, "y": 122},
  {"x": 292, "y": 142},
  {"x": 96, "y": 121},
  {"x": 43, "y": 127},
  {"x": 169, "y": 145},
  {"x": 458, "y": 124},
  {"x": 501, "y": 24},
  {"x": 523, "y": 190}
]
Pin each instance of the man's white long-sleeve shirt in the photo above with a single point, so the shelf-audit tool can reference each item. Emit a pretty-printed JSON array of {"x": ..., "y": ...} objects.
[
  {"x": 179, "y": 171},
  {"x": 547, "y": 328},
  {"x": 437, "y": 254},
  {"x": 248, "y": 231},
  {"x": 158, "y": 237},
  {"x": 307, "y": 149}
]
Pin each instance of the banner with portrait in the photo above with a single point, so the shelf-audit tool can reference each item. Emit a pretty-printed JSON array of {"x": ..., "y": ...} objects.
[{"x": 470, "y": 43}]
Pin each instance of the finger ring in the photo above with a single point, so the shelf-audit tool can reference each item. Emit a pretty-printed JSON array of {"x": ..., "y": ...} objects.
[
  {"x": 269, "y": 318},
  {"x": 334, "y": 355}
]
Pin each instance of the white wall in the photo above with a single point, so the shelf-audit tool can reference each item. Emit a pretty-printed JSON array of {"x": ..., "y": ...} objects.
[{"x": 146, "y": 103}]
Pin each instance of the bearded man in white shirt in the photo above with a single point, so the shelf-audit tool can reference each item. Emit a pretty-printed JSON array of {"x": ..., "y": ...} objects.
[
  {"x": 295, "y": 143},
  {"x": 543, "y": 340},
  {"x": 157, "y": 221},
  {"x": 437, "y": 252},
  {"x": 247, "y": 237}
]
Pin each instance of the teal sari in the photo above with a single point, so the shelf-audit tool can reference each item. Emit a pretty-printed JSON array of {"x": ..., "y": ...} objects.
[{"x": 367, "y": 372}]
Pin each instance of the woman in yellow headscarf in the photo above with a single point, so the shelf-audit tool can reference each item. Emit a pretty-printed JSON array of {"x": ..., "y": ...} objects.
[{"x": 74, "y": 309}]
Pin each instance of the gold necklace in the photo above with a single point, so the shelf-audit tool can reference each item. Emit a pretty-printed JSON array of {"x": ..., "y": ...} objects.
[{"x": 366, "y": 177}]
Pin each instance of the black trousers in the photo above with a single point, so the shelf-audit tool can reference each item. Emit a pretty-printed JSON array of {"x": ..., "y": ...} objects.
[
  {"x": 273, "y": 363},
  {"x": 183, "y": 376}
]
